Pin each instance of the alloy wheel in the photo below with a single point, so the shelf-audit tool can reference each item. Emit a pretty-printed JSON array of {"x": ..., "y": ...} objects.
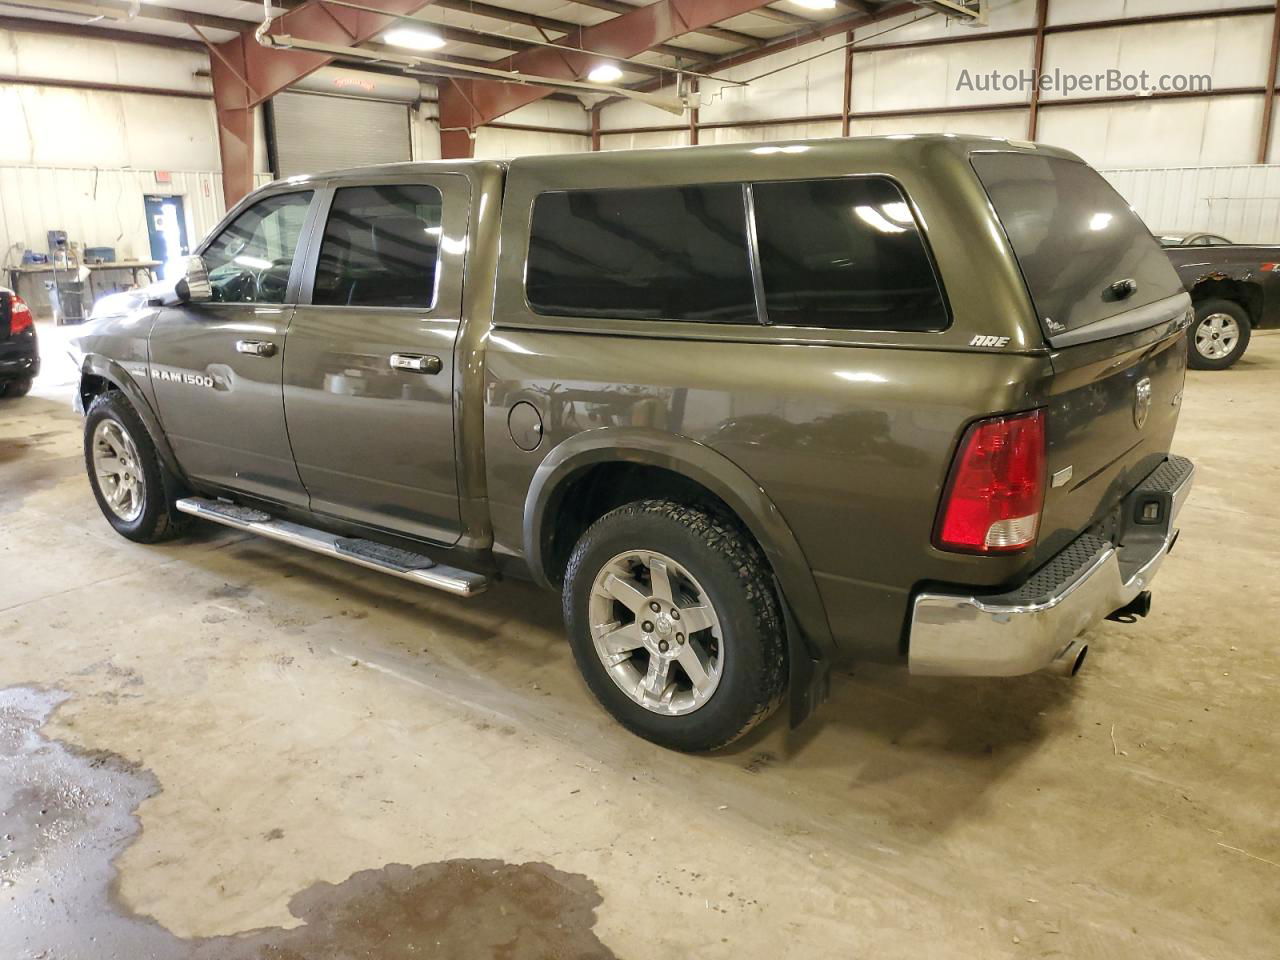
[
  {"x": 1217, "y": 336},
  {"x": 119, "y": 470},
  {"x": 656, "y": 632}
]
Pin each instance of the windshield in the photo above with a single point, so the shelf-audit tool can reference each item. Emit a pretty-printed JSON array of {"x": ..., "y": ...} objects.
[{"x": 1074, "y": 237}]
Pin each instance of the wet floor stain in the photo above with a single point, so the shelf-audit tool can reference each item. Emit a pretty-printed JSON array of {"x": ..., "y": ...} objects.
[
  {"x": 31, "y": 467},
  {"x": 65, "y": 815}
]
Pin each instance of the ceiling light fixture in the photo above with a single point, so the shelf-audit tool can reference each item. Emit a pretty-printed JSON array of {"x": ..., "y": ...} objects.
[
  {"x": 604, "y": 73},
  {"x": 816, "y": 4},
  {"x": 412, "y": 39}
]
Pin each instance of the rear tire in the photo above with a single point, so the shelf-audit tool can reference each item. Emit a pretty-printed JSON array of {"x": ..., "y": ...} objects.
[
  {"x": 1219, "y": 336},
  {"x": 134, "y": 489},
  {"x": 693, "y": 692},
  {"x": 12, "y": 389}
]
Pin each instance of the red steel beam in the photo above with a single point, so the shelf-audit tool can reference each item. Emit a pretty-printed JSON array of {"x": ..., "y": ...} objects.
[
  {"x": 466, "y": 104},
  {"x": 1008, "y": 106},
  {"x": 245, "y": 73},
  {"x": 790, "y": 41},
  {"x": 847, "y": 100},
  {"x": 1037, "y": 68},
  {"x": 693, "y": 114},
  {"x": 1269, "y": 104}
]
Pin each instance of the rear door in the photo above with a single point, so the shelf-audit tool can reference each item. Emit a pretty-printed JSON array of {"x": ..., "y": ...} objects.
[
  {"x": 1114, "y": 313},
  {"x": 368, "y": 377},
  {"x": 216, "y": 367}
]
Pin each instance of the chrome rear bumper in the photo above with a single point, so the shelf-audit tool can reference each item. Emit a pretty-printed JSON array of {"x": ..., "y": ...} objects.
[{"x": 1024, "y": 630}]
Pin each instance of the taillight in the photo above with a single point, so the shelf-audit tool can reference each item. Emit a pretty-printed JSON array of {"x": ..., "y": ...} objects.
[
  {"x": 996, "y": 490},
  {"x": 19, "y": 314}
]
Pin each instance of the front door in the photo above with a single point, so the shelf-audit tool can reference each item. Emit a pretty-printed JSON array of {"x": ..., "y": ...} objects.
[
  {"x": 167, "y": 231},
  {"x": 368, "y": 377},
  {"x": 216, "y": 366}
]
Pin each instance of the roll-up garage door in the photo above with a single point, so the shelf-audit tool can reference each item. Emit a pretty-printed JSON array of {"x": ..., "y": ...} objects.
[{"x": 315, "y": 133}]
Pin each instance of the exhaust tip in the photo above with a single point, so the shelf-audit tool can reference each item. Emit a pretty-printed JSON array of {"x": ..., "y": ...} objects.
[
  {"x": 1069, "y": 662},
  {"x": 1139, "y": 606}
]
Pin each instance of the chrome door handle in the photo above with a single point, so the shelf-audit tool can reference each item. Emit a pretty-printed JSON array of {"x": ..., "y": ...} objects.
[
  {"x": 415, "y": 363},
  {"x": 256, "y": 348}
]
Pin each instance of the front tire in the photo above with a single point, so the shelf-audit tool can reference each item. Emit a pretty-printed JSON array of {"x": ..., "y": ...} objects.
[
  {"x": 134, "y": 490},
  {"x": 1219, "y": 336},
  {"x": 675, "y": 624}
]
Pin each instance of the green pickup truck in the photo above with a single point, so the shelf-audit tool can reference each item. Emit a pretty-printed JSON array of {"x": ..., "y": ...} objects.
[{"x": 753, "y": 410}]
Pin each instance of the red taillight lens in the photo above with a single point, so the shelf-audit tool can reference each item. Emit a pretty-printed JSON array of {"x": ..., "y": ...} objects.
[
  {"x": 993, "y": 500},
  {"x": 19, "y": 314}
]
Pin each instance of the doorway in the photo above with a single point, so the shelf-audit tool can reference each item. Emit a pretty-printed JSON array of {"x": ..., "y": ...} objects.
[{"x": 167, "y": 231}]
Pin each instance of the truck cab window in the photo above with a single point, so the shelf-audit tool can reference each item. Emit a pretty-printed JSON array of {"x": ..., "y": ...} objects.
[
  {"x": 380, "y": 247},
  {"x": 250, "y": 260}
]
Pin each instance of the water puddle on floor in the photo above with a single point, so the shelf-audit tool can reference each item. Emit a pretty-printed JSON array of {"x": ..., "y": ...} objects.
[{"x": 65, "y": 815}]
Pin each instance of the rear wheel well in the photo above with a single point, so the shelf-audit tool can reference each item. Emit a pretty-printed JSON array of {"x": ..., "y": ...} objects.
[
  {"x": 1248, "y": 295},
  {"x": 586, "y": 496}
]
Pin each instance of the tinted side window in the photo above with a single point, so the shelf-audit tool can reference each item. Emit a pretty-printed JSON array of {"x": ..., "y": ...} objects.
[
  {"x": 249, "y": 262},
  {"x": 844, "y": 253},
  {"x": 380, "y": 247},
  {"x": 652, "y": 253}
]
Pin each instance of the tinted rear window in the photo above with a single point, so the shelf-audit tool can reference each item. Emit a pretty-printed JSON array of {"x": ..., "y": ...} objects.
[
  {"x": 652, "y": 253},
  {"x": 844, "y": 253},
  {"x": 1074, "y": 236}
]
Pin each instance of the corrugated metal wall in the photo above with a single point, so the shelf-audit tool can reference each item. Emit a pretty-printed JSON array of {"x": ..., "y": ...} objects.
[
  {"x": 99, "y": 207},
  {"x": 1241, "y": 203}
]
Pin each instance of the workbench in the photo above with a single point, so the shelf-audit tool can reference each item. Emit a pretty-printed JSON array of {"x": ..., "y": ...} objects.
[{"x": 28, "y": 281}]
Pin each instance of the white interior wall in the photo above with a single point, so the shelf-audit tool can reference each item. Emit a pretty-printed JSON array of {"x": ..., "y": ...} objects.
[
  {"x": 81, "y": 160},
  {"x": 1083, "y": 11},
  {"x": 495, "y": 143},
  {"x": 99, "y": 207},
  {"x": 812, "y": 88},
  {"x": 1241, "y": 203}
]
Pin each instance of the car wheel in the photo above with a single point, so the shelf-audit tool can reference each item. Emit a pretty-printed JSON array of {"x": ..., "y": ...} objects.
[
  {"x": 15, "y": 388},
  {"x": 134, "y": 490},
  {"x": 675, "y": 624},
  {"x": 1219, "y": 336}
]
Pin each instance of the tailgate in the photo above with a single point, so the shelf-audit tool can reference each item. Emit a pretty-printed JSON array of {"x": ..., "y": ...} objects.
[
  {"x": 1113, "y": 312},
  {"x": 1110, "y": 420}
]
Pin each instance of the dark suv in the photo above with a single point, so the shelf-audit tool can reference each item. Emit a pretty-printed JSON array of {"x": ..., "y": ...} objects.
[
  {"x": 751, "y": 409},
  {"x": 19, "y": 347}
]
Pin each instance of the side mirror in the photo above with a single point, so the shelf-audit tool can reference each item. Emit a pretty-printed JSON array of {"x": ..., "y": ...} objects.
[{"x": 192, "y": 287}]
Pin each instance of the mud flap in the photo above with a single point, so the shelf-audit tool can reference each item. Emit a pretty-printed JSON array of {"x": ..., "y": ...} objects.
[{"x": 809, "y": 677}]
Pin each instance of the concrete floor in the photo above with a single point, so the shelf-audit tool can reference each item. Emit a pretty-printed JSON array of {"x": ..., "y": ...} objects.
[{"x": 255, "y": 735}]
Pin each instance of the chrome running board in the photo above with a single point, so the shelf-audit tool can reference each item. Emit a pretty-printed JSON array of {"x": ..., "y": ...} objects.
[{"x": 414, "y": 567}]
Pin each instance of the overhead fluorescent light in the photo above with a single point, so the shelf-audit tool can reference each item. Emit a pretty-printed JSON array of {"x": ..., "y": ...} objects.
[
  {"x": 412, "y": 39},
  {"x": 604, "y": 73},
  {"x": 816, "y": 4}
]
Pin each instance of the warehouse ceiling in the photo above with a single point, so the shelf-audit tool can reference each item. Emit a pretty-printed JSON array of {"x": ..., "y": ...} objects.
[{"x": 480, "y": 33}]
